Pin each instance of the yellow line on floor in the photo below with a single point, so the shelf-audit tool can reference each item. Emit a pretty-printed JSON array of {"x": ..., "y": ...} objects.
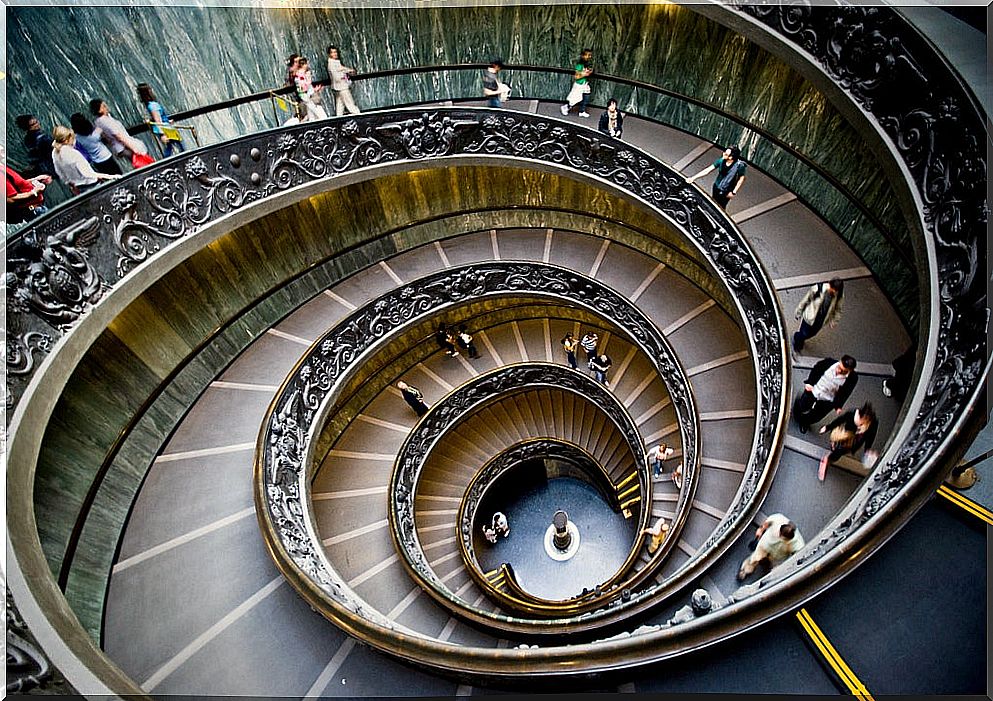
[
  {"x": 840, "y": 667},
  {"x": 966, "y": 503}
]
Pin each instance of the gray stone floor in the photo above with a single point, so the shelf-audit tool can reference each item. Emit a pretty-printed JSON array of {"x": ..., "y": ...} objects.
[{"x": 193, "y": 555}]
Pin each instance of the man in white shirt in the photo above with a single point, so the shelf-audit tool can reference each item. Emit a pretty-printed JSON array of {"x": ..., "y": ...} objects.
[
  {"x": 828, "y": 386},
  {"x": 778, "y": 538}
]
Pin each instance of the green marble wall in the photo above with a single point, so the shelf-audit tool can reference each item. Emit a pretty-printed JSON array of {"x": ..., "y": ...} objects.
[{"x": 197, "y": 56}]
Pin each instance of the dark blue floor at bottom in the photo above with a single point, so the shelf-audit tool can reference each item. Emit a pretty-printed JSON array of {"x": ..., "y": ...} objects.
[
  {"x": 912, "y": 619},
  {"x": 605, "y": 539}
]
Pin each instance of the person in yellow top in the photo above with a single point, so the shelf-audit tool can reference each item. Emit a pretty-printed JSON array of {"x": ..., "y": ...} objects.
[{"x": 658, "y": 531}]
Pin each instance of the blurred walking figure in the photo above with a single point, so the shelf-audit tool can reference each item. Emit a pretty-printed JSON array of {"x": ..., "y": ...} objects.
[
  {"x": 600, "y": 365},
  {"x": 303, "y": 79},
  {"x": 465, "y": 342},
  {"x": 115, "y": 135},
  {"x": 589, "y": 345},
  {"x": 157, "y": 113},
  {"x": 341, "y": 83},
  {"x": 570, "y": 344},
  {"x": 821, "y": 305},
  {"x": 89, "y": 138},
  {"x": 658, "y": 531},
  {"x": 580, "y": 92},
  {"x": 775, "y": 540},
  {"x": 662, "y": 452},
  {"x": 848, "y": 433}
]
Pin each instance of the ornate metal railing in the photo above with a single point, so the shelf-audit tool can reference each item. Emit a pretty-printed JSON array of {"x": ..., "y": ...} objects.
[
  {"x": 284, "y": 460},
  {"x": 456, "y": 407},
  {"x": 103, "y": 249}
]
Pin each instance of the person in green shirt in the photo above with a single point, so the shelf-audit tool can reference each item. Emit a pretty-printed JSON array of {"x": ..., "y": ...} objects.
[
  {"x": 730, "y": 175},
  {"x": 580, "y": 93}
]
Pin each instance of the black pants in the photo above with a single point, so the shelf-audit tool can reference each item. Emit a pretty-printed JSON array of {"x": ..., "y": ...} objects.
[
  {"x": 720, "y": 197},
  {"x": 110, "y": 167},
  {"x": 807, "y": 410}
]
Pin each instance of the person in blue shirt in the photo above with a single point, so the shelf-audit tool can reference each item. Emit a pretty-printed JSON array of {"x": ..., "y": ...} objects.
[
  {"x": 157, "y": 113},
  {"x": 730, "y": 175}
]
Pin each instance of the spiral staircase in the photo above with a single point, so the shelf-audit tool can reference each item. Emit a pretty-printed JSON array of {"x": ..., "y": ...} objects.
[{"x": 296, "y": 529}]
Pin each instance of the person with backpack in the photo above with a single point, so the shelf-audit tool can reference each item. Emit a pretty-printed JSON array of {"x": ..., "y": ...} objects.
[{"x": 730, "y": 175}]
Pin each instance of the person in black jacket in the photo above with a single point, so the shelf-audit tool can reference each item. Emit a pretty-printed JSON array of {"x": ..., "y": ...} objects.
[
  {"x": 828, "y": 386},
  {"x": 848, "y": 433},
  {"x": 612, "y": 121},
  {"x": 413, "y": 397}
]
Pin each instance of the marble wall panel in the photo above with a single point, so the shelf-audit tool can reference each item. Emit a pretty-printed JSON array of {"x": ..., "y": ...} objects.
[{"x": 59, "y": 57}]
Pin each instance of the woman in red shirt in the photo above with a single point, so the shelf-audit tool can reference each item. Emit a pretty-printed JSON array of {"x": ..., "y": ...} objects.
[{"x": 24, "y": 198}]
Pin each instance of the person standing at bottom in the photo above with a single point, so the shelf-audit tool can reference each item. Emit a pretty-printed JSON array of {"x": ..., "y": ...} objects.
[
  {"x": 589, "y": 345},
  {"x": 580, "y": 93},
  {"x": 500, "y": 524},
  {"x": 341, "y": 83},
  {"x": 730, "y": 176},
  {"x": 821, "y": 305},
  {"x": 413, "y": 397},
  {"x": 778, "y": 538}
]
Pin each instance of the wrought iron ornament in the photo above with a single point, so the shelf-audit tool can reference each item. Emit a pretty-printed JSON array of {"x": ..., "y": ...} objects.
[
  {"x": 939, "y": 133},
  {"x": 309, "y": 392},
  {"x": 450, "y": 411},
  {"x": 128, "y": 223}
]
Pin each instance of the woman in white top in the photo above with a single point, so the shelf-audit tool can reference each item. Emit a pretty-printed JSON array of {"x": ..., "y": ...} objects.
[
  {"x": 341, "y": 83},
  {"x": 71, "y": 166}
]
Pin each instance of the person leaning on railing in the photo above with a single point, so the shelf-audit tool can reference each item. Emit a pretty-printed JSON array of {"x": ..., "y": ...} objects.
[
  {"x": 71, "y": 166},
  {"x": 25, "y": 200},
  {"x": 158, "y": 116},
  {"x": 730, "y": 175}
]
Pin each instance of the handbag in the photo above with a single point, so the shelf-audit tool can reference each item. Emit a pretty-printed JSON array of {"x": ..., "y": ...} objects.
[{"x": 139, "y": 160}]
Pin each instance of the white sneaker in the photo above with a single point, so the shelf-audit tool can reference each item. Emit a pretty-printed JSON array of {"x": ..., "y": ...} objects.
[
  {"x": 564, "y": 109},
  {"x": 886, "y": 389},
  {"x": 584, "y": 115}
]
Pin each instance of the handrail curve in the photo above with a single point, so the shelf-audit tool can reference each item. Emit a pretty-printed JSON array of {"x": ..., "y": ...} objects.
[{"x": 454, "y": 408}]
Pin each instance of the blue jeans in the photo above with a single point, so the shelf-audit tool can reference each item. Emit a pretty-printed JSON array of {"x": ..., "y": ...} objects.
[
  {"x": 171, "y": 147},
  {"x": 571, "y": 357},
  {"x": 656, "y": 467},
  {"x": 803, "y": 333},
  {"x": 494, "y": 101}
]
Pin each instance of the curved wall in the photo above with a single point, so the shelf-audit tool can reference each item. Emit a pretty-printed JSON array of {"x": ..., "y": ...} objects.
[{"x": 666, "y": 45}]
